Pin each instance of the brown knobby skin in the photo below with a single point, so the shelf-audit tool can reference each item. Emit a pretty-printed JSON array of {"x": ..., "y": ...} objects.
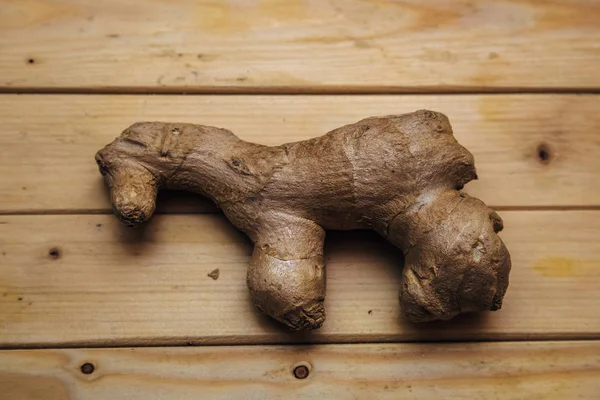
[{"x": 399, "y": 175}]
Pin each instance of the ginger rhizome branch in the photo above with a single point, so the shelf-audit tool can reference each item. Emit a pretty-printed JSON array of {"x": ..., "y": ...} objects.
[{"x": 398, "y": 175}]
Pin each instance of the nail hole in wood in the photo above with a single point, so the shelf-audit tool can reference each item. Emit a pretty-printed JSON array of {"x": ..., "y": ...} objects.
[
  {"x": 87, "y": 368},
  {"x": 301, "y": 371}
]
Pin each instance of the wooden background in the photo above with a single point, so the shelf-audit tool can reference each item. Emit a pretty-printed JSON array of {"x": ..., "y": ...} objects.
[{"x": 520, "y": 81}]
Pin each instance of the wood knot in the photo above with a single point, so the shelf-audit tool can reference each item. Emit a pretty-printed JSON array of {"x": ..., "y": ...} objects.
[
  {"x": 87, "y": 368},
  {"x": 544, "y": 153},
  {"x": 54, "y": 253},
  {"x": 301, "y": 370}
]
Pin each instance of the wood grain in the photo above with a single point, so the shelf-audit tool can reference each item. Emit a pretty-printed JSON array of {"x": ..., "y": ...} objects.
[
  {"x": 310, "y": 45},
  {"x": 527, "y": 370},
  {"x": 48, "y": 141},
  {"x": 87, "y": 280}
]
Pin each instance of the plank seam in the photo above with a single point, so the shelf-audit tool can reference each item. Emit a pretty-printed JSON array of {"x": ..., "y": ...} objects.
[
  {"x": 276, "y": 90},
  {"x": 118, "y": 344},
  {"x": 108, "y": 212}
]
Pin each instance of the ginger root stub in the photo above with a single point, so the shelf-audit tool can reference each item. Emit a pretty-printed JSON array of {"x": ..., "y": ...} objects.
[{"x": 399, "y": 175}]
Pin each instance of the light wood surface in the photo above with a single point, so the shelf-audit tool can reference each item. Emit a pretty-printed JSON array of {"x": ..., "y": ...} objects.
[
  {"x": 71, "y": 275},
  {"x": 48, "y": 141},
  {"x": 527, "y": 370},
  {"x": 87, "y": 280},
  {"x": 299, "y": 46}
]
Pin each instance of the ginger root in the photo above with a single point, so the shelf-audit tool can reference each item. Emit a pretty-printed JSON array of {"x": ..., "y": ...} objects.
[{"x": 399, "y": 175}]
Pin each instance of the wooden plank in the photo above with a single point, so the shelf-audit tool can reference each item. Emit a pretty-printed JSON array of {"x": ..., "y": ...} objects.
[
  {"x": 87, "y": 280},
  {"x": 48, "y": 141},
  {"x": 309, "y": 45},
  {"x": 544, "y": 370}
]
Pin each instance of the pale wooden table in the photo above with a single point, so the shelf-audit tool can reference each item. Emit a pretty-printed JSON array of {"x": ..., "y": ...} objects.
[{"x": 520, "y": 81}]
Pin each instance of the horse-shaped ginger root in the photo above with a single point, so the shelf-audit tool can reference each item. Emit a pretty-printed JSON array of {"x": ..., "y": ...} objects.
[{"x": 399, "y": 175}]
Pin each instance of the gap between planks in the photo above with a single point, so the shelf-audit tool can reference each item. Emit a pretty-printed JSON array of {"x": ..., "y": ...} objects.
[
  {"x": 243, "y": 341},
  {"x": 300, "y": 90},
  {"x": 163, "y": 209}
]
